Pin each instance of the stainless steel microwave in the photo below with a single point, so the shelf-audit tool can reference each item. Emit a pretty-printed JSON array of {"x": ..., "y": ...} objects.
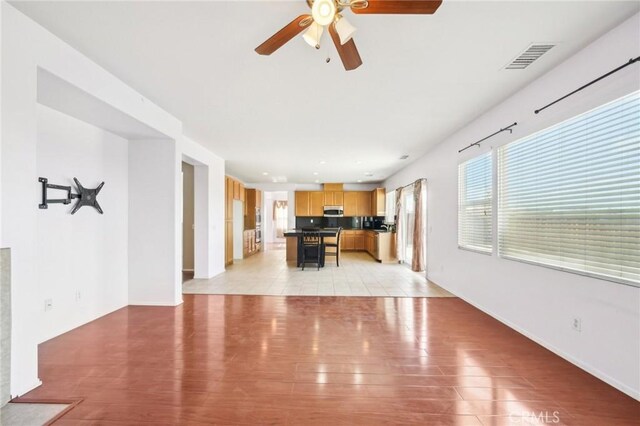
[{"x": 333, "y": 211}]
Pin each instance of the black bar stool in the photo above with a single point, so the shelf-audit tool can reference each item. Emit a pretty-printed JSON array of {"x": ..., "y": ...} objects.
[
  {"x": 335, "y": 245},
  {"x": 311, "y": 246}
]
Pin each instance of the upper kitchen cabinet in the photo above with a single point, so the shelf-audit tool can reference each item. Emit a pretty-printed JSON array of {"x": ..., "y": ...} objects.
[
  {"x": 302, "y": 203},
  {"x": 364, "y": 203},
  {"x": 316, "y": 203},
  {"x": 350, "y": 203},
  {"x": 309, "y": 203},
  {"x": 378, "y": 202},
  {"x": 333, "y": 198}
]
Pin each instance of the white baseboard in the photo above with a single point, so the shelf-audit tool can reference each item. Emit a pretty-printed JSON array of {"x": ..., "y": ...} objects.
[{"x": 633, "y": 393}]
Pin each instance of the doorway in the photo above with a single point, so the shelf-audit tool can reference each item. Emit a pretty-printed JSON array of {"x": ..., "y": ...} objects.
[
  {"x": 276, "y": 219},
  {"x": 188, "y": 221}
]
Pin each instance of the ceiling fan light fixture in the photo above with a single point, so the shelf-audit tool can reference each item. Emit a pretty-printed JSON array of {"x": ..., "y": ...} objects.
[
  {"x": 323, "y": 11},
  {"x": 344, "y": 29},
  {"x": 313, "y": 34}
]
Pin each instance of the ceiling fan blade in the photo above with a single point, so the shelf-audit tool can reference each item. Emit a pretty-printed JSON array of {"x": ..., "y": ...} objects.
[
  {"x": 348, "y": 51},
  {"x": 280, "y": 38},
  {"x": 407, "y": 7}
]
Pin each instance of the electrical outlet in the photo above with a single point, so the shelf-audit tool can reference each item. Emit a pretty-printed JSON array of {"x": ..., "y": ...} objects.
[
  {"x": 577, "y": 324},
  {"x": 311, "y": 220},
  {"x": 48, "y": 304},
  {"x": 78, "y": 295}
]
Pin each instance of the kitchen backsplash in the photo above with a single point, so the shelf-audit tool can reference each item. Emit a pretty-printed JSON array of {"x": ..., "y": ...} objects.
[{"x": 335, "y": 222}]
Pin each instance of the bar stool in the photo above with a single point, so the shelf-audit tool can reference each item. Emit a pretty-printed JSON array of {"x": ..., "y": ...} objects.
[
  {"x": 311, "y": 246},
  {"x": 335, "y": 245}
]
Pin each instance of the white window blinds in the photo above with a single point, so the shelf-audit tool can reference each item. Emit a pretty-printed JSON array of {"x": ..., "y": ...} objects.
[
  {"x": 475, "y": 204},
  {"x": 569, "y": 196}
]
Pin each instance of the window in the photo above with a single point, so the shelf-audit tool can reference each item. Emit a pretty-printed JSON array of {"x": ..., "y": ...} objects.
[
  {"x": 569, "y": 196},
  {"x": 475, "y": 204},
  {"x": 390, "y": 207}
]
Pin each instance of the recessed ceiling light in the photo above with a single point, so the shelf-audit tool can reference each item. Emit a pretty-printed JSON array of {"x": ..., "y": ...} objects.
[
  {"x": 359, "y": 180},
  {"x": 323, "y": 162},
  {"x": 315, "y": 173},
  {"x": 265, "y": 173}
]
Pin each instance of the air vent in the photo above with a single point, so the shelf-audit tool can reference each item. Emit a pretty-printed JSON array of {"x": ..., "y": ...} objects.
[
  {"x": 531, "y": 53},
  {"x": 404, "y": 157}
]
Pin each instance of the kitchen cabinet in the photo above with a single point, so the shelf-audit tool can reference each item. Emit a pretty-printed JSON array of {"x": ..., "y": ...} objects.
[
  {"x": 250, "y": 246},
  {"x": 253, "y": 202},
  {"x": 364, "y": 203},
  {"x": 228, "y": 196},
  {"x": 316, "y": 203},
  {"x": 352, "y": 240},
  {"x": 350, "y": 203},
  {"x": 309, "y": 203},
  {"x": 378, "y": 202},
  {"x": 381, "y": 246},
  {"x": 333, "y": 198},
  {"x": 302, "y": 203},
  {"x": 228, "y": 242}
]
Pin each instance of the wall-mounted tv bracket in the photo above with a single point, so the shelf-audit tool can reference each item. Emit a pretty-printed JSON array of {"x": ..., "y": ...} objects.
[{"x": 85, "y": 196}]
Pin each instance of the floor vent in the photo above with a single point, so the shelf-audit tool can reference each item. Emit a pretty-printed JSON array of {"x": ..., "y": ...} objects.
[{"x": 531, "y": 53}]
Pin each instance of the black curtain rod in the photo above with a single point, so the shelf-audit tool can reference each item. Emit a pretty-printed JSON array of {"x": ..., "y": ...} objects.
[
  {"x": 509, "y": 128},
  {"x": 631, "y": 61}
]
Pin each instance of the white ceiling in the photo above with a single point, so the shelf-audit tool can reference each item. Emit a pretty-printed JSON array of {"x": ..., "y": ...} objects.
[{"x": 423, "y": 77}]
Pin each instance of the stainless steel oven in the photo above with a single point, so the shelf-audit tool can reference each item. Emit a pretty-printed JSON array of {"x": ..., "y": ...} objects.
[{"x": 333, "y": 211}]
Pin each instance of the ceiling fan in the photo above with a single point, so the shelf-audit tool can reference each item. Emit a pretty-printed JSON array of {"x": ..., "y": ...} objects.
[{"x": 328, "y": 13}]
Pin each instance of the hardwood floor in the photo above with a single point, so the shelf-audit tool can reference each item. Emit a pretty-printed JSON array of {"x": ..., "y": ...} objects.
[{"x": 317, "y": 360}]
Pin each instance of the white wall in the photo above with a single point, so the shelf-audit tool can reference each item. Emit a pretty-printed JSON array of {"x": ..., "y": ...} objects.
[
  {"x": 27, "y": 47},
  {"x": 81, "y": 259},
  {"x": 153, "y": 243},
  {"x": 537, "y": 301}
]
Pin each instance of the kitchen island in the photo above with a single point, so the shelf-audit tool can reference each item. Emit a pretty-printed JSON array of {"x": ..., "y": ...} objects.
[
  {"x": 294, "y": 248},
  {"x": 379, "y": 243}
]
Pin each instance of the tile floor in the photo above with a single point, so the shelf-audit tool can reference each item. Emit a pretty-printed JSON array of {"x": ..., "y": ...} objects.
[
  {"x": 268, "y": 274},
  {"x": 21, "y": 414}
]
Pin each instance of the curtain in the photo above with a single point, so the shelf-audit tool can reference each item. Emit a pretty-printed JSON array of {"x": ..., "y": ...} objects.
[
  {"x": 280, "y": 217},
  {"x": 399, "y": 242},
  {"x": 419, "y": 231}
]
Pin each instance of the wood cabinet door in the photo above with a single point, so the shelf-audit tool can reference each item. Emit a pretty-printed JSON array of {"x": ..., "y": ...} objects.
[
  {"x": 242, "y": 192},
  {"x": 316, "y": 203},
  {"x": 228, "y": 241},
  {"x": 258, "y": 198},
  {"x": 349, "y": 242},
  {"x": 364, "y": 203},
  {"x": 338, "y": 198},
  {"x": 359, "y": 242},
  {"x": 328, "y": 198},
  {"x": 302, "y": 203},
  {"x": 236, "y": 190},
  {"x": 229, "y": 199},
  {"x": 351, "y": 203}
]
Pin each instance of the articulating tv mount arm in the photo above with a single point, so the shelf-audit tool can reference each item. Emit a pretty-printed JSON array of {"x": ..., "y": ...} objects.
[{"x": 85, "y": 196}]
